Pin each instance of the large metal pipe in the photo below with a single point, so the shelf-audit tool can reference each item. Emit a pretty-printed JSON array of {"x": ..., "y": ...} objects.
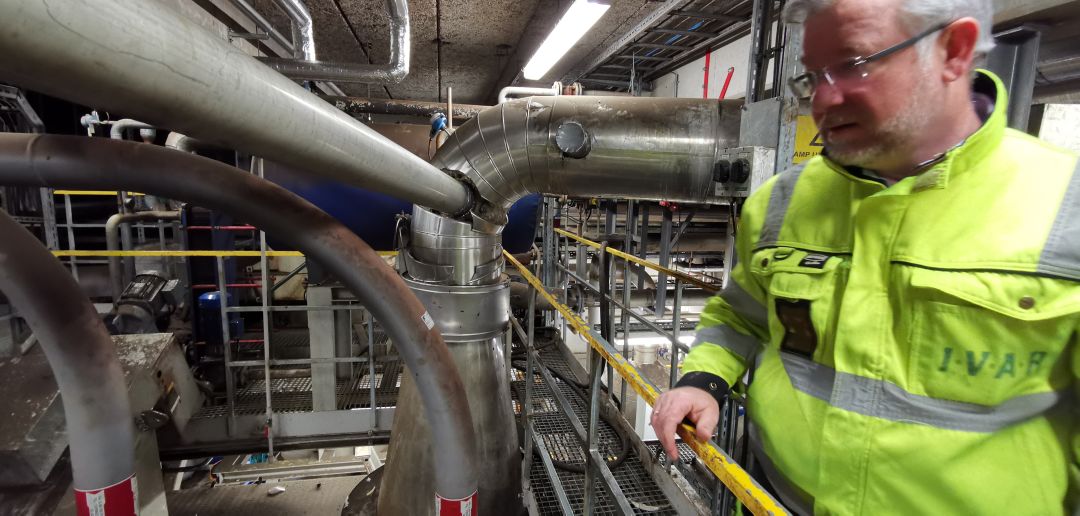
[
  {"x": 101, "y": 431},
  {"x": 118, "y": 276},
  {"x": 78, "y": 162},
  {"x": 169, "y": 71},
  {"x": 391, "y": 73},
  {"x": 628, "y": 147}
]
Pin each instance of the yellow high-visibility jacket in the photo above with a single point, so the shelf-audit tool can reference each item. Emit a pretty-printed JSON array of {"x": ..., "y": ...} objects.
[{"x": 915, "y": 346}]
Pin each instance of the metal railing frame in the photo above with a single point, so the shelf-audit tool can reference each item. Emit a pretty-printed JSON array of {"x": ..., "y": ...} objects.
[{"x": 737, "y": 481}]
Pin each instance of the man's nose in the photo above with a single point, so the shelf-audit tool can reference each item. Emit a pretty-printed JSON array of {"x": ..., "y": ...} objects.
[{"x": 826, "y": 95}]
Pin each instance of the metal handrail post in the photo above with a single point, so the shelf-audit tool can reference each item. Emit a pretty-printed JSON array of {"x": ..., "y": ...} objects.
[
  {"x": 596, "y": 370},
  {"x": 267, "y": 294},
  {"x": 372, "y": 350},
  {"x": 526, "y": 408},
  {"x": 230, "y": 388},
  {"x": 676, "y": 322},
  {"x": 628, "y": 248},
  {"x": 71, "y": 236}
]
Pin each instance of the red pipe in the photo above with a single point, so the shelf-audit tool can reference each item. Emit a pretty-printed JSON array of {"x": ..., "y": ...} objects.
[
  {"x": 221, "y": 228},
  {"x": 210, "y": 286},
  {"x": 727, "y": 82}
]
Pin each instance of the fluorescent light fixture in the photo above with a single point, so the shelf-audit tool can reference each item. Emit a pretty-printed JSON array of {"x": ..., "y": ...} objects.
[{"x": 581, "y": 16}]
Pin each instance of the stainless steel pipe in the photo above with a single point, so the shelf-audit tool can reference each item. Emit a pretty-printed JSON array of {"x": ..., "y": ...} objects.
[
  {"x": 118, "y": 276},
  {"x": 101, "y": 431},
  {"x": 626, "y": 147},
  {"x": 167, "y": 70},
  {"x": 391, "y": 73},
  {"x": 91, "y": 163},
  {"x": 303, "y": 28}
]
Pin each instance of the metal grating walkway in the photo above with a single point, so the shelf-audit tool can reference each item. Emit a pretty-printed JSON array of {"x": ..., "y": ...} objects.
[
  {"x": 558, "y": 435},
  {"x": 294, "y": 394}
]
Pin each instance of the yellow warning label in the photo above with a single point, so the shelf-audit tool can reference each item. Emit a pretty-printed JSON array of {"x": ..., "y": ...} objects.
[{"x": 807, "y": 139}]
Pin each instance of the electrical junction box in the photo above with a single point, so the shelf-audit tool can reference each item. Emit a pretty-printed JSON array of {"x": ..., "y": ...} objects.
[{"x": 738, "y": 171}]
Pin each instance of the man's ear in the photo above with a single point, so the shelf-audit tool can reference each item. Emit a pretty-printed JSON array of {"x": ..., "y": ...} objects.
[{"x": 959, "y": 40}]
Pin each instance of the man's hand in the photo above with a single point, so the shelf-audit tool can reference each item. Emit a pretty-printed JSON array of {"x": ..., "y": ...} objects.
[{"x": 692, "y": 403}]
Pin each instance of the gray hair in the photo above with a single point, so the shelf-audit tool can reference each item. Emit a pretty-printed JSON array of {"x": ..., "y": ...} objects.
[{"x": 917, "y": 16}]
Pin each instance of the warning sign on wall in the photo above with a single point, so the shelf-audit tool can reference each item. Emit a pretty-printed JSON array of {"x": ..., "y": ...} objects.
[{"x": 807, "y": 139}]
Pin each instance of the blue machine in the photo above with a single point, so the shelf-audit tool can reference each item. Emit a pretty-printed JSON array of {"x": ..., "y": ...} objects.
[{"x": 371, "y": 215}]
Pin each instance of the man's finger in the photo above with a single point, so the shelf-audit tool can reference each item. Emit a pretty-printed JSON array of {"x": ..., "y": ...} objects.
[
  {"x": 669, "y": 419},
  {"x": 706, "y": 423}
]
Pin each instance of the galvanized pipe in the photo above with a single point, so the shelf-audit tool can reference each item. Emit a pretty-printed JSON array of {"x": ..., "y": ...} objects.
[
  {"x": 303, "y": 28},
  {"x": 51, "y": 161},
  {"x": 391, "y": 73},
  {"x": 517, "y": 91},
  {"x": 627, "y": 147},
  {"x": 264, "y": 24},
  {"x": 101, "y": 431},
  {"x": 169, "y": 71},
  {"x": 117, "y": 275}
]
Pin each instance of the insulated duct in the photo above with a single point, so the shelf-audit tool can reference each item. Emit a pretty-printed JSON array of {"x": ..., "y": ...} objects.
[
  {"x": 101, "y": 433},
  {"x": 309, "y": 69},
  {"x": 625, "y": 147},
  {"x": 50, "y": 161},
  {"x": 167, "y": 70}
]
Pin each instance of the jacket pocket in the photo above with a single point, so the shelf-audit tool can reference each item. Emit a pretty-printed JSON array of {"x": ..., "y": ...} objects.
[
  {"x": 987, "y": 337},
  {"x": 803, "y": 290}
]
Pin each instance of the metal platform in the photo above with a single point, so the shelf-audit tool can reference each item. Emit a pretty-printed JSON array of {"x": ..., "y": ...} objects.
[
  {"x": 554, "y": 429},
  {"x": 294, "y": 394},
  {"x": 316, "y": 496}
]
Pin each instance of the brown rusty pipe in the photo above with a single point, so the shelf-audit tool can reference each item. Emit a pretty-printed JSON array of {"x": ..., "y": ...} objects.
[
  {"x": 101, "y": 431},
  {"x": 52, "y": 161}
]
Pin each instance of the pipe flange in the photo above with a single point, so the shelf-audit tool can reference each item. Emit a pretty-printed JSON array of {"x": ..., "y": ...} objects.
[{"x": 573, "y": 140}]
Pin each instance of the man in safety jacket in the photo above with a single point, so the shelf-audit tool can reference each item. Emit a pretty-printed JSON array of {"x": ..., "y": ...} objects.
[{"x": 908, "y": 301}]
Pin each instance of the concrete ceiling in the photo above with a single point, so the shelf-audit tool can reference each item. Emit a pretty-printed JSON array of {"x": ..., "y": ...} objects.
[
  {"x": 477, "y": 47},
  {"x": 485, "y": 43}
]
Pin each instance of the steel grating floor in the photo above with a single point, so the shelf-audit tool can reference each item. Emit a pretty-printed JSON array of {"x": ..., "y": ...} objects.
[
  {"x": 558, "y": 435},
  {"x": 294, "y": 394}
]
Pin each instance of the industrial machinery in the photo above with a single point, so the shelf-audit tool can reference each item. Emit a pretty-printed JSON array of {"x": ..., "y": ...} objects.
[{"x": 291, "y": 297}]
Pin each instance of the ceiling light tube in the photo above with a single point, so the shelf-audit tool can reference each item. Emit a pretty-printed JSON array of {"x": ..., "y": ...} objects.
[{"x": 581, "y": 16}]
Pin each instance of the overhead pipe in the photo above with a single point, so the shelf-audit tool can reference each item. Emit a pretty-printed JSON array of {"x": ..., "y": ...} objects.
[
  {"x": 192, "y": 81},
  {"x": 118, "y": 276},
  {"x": 81, "y": 354},
  {"x": 251, "y": 12},
  {"x": 517, "y": 91},
  {"x": 391, "y": 73},
  {"x": 303, "y": 28},
  {"x": 52, "y": 161},
  {"x": 625, "y": 147}
]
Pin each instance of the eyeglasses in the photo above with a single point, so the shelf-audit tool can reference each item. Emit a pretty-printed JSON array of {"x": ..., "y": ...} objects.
[{"x": 851, "y": 71}]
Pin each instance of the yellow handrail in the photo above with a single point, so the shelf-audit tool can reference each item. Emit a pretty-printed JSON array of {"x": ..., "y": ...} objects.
[
  {"x": 727, "y": 470},
  {"x": 92, "y": 192},
  {"x": 187, "y": 254},
  {"x": 644, "y": 263}
]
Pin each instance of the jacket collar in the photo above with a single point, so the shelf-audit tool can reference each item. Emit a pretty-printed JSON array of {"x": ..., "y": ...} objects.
[{"x": 991, "y": 104}]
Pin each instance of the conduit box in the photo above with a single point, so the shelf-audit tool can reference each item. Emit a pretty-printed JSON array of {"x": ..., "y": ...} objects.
[{"x": 738, "y": 171}]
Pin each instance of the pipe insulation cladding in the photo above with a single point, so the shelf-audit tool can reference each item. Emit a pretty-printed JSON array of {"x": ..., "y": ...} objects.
[
  {"x": 77, "y": 162},
  {"x": 81, "y": 354},
  {"x": 625, "y": 147},
  {"x": 148, "y": 61}
]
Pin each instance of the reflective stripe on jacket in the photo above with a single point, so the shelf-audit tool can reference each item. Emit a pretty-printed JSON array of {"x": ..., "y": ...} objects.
[{"x": 916, "y": 345}]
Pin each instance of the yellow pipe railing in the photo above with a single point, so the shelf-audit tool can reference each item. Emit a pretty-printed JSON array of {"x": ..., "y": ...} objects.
[
  {"x": 92, "y": 192},
  {"x": 727, "y": 470},
  {"x": 686, "y": 278}
]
